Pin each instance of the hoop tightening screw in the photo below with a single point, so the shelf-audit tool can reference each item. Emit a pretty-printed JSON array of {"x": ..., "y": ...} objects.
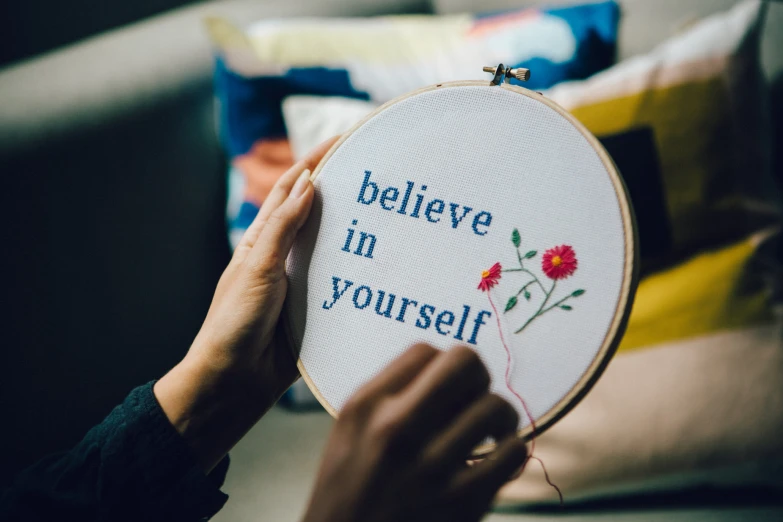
[{"x": 502, "y": 73}]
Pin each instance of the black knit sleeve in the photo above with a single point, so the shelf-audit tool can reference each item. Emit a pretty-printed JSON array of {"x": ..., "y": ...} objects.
[{"x": 132, "y": 466}]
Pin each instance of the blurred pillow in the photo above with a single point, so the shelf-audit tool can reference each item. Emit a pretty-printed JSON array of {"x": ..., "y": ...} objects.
[
  {"x": 309, "y": 118},
  {"x": 705, "y": 412},
  {"x": 687, "y": 126},
  {"x": 378, "y": 59},
  {"x": 646, "y": 23}
]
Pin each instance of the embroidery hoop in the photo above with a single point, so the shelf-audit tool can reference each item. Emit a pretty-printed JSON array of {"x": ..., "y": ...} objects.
[{"x": 630, "y": 267}]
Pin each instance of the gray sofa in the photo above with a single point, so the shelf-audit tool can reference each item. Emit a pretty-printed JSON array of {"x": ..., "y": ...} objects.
[{"x": 113, "y": 224}]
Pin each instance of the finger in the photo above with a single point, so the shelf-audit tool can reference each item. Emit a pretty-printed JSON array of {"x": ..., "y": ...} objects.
[
  {"x": 472, "y": 491},
  {"x": 488, "y": 476},
  {"x": 282, "y": 188},
  {"x": 270, "y": 251},
  {"x": 400, "y": 372},
  {"x": 445, "y": 388},
  {"x": 276, "y": 197},
  {"x": 491, "y": 415}
]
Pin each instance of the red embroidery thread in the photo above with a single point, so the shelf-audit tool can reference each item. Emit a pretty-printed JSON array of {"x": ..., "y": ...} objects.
[
  {"x": 559, "y": 262},
  {"x": 489, "y": 278},
  {"x": 519, "y": 397}
]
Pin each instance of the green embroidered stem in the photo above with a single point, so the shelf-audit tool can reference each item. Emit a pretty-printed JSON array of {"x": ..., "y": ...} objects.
[
  {"x": 525, "y": 287},
  {"x": 516, "y": 239},
  {"x": 512, "y": 301},
  {"x": 540, "y": 308},
  {"x": 525, "y": 270},
  {"x": 563, "y": 300}
]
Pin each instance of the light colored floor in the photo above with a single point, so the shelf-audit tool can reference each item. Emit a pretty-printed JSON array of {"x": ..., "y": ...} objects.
[{"x": 273, "y": 467}]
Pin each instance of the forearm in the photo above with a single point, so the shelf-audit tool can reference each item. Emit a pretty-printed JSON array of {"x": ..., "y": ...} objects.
[
  {"x": 240, "y": 364},
  {"x": 212, "y": 408}
]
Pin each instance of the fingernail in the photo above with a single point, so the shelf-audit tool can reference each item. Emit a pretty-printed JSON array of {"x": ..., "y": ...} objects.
[{"x": 301, "y": 184}]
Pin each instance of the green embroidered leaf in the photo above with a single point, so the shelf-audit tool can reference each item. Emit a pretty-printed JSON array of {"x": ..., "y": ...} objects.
[
  {"x": 530, "y": 254},
  {"x": 527, "y": 295},
  {"x": 577, "y": 293},
  {"x": 516, "y": 238},
  {"x": 566, "y": 307},
  {"x": 512, "y": 302}
]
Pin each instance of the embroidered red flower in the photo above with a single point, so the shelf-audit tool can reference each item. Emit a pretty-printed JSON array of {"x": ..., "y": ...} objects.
[
  {"x": 489, "y": 278},
  {"x": 559, "y": 262}
]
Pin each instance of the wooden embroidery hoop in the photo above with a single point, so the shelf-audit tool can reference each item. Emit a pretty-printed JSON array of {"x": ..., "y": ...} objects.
[{"x": 630, "y": 270}]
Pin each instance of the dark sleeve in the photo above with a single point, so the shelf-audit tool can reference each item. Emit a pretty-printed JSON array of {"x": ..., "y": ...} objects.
[{"x": 132, "y": 466}]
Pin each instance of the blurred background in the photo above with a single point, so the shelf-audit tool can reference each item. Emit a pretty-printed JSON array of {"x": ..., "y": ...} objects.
[{"x": 138, "y": 139}]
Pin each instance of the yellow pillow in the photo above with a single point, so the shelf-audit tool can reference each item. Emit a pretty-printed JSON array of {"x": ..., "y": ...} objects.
[{"x": 688, "y": 125}]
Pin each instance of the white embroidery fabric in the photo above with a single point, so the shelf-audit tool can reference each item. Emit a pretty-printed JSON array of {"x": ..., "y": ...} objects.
[{"x": 490, "y": 149}]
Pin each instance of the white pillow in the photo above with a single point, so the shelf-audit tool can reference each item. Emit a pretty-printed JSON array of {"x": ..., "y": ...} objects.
[{"x": 313, "y": 119}]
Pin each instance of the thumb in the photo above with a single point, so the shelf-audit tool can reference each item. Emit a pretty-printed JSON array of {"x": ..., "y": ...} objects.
[{"x": 276, "y": 238}]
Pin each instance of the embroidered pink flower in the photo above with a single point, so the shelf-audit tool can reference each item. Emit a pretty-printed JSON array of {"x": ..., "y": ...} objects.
[
  {"x": 489, "y": 278},
  {"x": 559, "y": 262}
]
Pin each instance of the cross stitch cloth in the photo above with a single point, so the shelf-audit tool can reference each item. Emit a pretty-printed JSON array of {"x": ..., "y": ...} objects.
[{"x": 490, "y": 149}]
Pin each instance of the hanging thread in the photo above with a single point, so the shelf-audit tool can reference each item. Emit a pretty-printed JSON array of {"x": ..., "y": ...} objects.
[{"x": 524, "y": 404}]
